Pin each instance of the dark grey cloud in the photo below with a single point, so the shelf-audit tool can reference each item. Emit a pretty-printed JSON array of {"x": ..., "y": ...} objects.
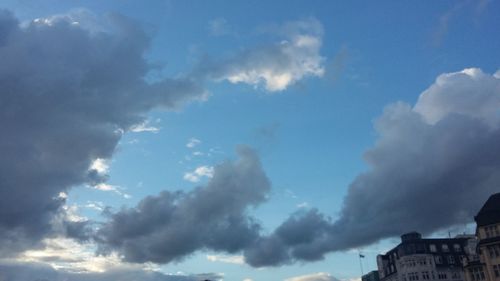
[
  {"x": 41, "y": 272},
  {"x": 172, "y": 225},
  {"x": 68, "y": 91},
  {"x": 432, "y": 167},
  {"x": 72, "y": 84}
]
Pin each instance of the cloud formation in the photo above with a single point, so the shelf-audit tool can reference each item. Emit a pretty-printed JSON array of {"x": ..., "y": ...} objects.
[
  {"x": 443, "y": 151},
  {"x": 274, "y": 66},
  {"x": 73, "y": 84},
  {"x": 69, "y": 92},
  {"x": 15, "y": 271},
  {"x": 173, "y": 225}
]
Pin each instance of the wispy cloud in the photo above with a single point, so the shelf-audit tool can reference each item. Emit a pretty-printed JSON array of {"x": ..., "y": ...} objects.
[
  {"x": 144, "y": 127},
  {"x": 199, "y": 173},
  {"x": 193, "y": 142},
  {"x": 112, "y": 188}
]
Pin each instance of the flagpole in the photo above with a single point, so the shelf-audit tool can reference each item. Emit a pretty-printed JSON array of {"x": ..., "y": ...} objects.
[{"x": 360, "y": 263}]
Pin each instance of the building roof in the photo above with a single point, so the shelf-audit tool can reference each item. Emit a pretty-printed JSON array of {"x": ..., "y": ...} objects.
[
  {"x": 490, "y": 240},
  {"x": 412, "y": 243},
  {"x": 490, "y": 212}
]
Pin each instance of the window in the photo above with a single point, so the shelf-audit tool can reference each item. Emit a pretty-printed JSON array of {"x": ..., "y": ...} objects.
[
  {"x": 442, "y": 275},
  {"x": 438, "y": 259},
  {"x": 413, "y": 276},
  {"x": 493, "y": 251},
  {"x": 496, "y": 270},
  {"x": 456, "y": 247},
  {"x": 451, "y": 260},
  {"x": 477, "y": 273},
  {"x": 463, "y": 259},
  {"x": 425, "y": 275},
  {"x": 491, "y": 231},
  {"x": 455, "y": 275},
  {"x": 432, "y": 248},
  {"x": 445, "y": 248}
]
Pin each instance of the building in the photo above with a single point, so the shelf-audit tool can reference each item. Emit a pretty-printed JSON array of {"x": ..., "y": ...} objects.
[
  {"x": 486, "y": 264},
  {"x": 416, "y": 259},
  {"x": 371, "y": 276}
]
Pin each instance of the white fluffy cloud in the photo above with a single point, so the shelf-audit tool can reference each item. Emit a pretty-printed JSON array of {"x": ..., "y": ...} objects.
[
  {"x": 276, "y": 66},
  {"x": 469, "y": 92},
  {"x": 199, "y": 173}
]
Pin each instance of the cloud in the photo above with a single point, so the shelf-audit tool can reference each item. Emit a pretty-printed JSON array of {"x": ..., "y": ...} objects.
[
  {"x": 274, "y": 66},
  {"x": 172, "y": 225},
  {"x": 95, "y": 205},
  {"x": 73, "y": 84},
  {"x": 193, "y": 142},
  {"x": 464, "y": 11},
  {"x": 100, "y": 165},
  {"x": 442, "y": 151},
  {"x": 470, "y": 92},
  {"x": 303, "y": 205},
  {"x": 198, "y": 173},
  {"x": 320, "y": 276},
  {"x": 69, "y": 92},
  {"x": 64, "y": 259},
  {"x": 226, "y": 259},
  {"x": 112, "y": 188},
  {"x": 22, "y": 271},
  {"x": 144, "y": 127}
]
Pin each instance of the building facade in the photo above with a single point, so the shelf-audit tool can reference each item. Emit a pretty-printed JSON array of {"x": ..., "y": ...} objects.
[
  {"x": 486, "y": 264},
  {"x": 371, "y": 276},
  {"x": 416, "y": 259}
]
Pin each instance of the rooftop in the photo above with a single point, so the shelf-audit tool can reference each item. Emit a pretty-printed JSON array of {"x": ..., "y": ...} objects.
[{"x": 490, "y": 212}]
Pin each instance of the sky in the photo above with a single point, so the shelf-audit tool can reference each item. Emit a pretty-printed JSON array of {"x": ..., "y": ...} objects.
[{"x": 240, "y": 140}]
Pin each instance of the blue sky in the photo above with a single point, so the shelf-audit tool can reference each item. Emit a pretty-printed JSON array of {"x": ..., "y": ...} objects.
[{"x": 311, "y": 133}]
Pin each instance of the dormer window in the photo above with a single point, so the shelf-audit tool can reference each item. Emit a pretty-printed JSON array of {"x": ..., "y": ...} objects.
[
  {"x": 432, "y": 248},
  {"x": 445, "y": 248}
]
